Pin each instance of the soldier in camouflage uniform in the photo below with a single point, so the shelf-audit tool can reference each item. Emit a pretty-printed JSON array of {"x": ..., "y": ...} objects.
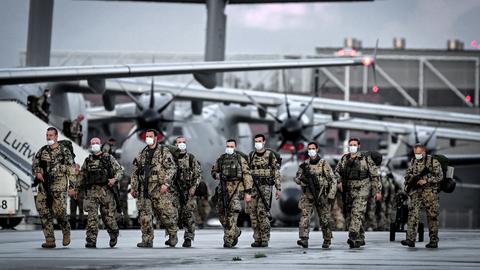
[
  {"x": 319, "y": 186},
  {"x": 77, "y": 222},
  {"x": 100, "y": 173},
  {"x": 42, "y": 106},
  {"x": 53, "y": 170},
  {"x": 231, "y": 169},
  {"x": 423, "y": 194},
  {"x": 388, "y": 195},
  {"x": 265, "y": 170},
  {"x": 358, "y": 174},
  {"x": 203, "y": 205},
  {"x": 187, "y": 178},
  {"x": 110, "y": 147},
  {"x": 122, "y": 218},
  {"x": 76, "y": 129},
  {"x": 152, "y": 175}
]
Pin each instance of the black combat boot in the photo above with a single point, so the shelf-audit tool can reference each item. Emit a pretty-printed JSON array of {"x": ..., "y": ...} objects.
[
  {"x": 172, "y": 241},
  {"x": 326, "y": 243},
  {"x": 256, "y": 244},
  {"x": 432, "y": 245},
  {"x": 145, "y": 245},
  {"x": 264, "y": 244},
  {"x": 351, "y": 243},
  {"x": 113, "y": 239},
  {"x": 362, "y": 242},
  {"x": 187, "y": 243},
  {"x": 303, "y": 242},
  {"x": 90, "y": 245},
  {"x": 235, "y": 241},
  {"x": 49, "y": 243},
  {"x": 408, "y": 242}
]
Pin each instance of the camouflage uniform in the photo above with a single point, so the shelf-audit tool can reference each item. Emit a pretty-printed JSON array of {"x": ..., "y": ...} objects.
[
  {"x": 59, "y": 166},
  {"x": 159, "y": 166},
  {"x": 371, "y": 222},
  {"x": 203, "y": 206},
  {"x": 326, "y": 184},
  {"x": 123, "y": 217},
  {"x": 42, "y": 108},
  {"x": 265, "y": 171},
  {"x": 388, "y": 195},
  {"x": 189, "y": 175},
  {"x": 76, "y": 131},
  {"x": 94, "y": 175},
  {"x": 358, "y": 175},
  {"x": 425, "y": 196},
  {"x": 234, "y": 172},
  {"x": 338, "y": 220},
  {"x": 77, "y": 221}
]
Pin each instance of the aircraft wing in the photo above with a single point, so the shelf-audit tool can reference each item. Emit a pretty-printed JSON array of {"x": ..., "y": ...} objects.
[
  {"x": 401, "y": 128},
  {"x": 230, "y": 95},
  {"x": 74, "y": 73}
]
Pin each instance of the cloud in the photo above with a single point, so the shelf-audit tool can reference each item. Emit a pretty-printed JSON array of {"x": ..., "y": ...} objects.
[{"x": 273, "y": 17}]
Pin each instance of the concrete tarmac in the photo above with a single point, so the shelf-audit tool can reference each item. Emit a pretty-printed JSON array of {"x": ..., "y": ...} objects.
[{"x": 21, "y": 250}]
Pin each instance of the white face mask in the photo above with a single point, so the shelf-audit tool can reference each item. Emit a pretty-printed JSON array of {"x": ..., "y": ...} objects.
[
  {"x": 149, "y": 141},
  {"x": 418, "y": 156},
  {"x": 258, "y": 146},
  {"x": 312, "y": 153},
  {"x": 95, "y": 148},
  {"x": 229, "y": 150},
  {"x": 353, "y": 149},
  {"x": 50, "y": 142},
  {"x": 182, "y": 146}
]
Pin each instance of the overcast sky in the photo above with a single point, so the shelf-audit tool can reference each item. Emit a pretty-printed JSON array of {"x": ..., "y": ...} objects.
[{"x": 288, "y": 28}]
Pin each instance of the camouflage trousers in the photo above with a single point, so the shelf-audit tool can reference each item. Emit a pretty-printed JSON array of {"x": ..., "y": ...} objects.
[
  {"x": 356, "y": 206},
  {"x": 428, "y": 199},
  {"x": 383, "y": 219},
  {"x": 161, "y": 206},
  {"x": 229, "y": 221},
  {"x": 77, "y": 219},
  {"x": 307, "y": 206},
  {"x": 58, "y": 211},
  {"x": 123, "y": 199},
  {"x": 337, "y": 220},
  {"x": 186, "y": 216},
  {"x": 259, "y": 215},
  {"x": 203, "y": 210},
  {"x": 370, "y": 215},
  {"x": 98, "y": 197}
]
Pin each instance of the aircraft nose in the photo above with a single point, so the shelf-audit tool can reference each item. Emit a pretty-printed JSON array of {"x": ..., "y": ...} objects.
[{"x": 289, "y": 201}]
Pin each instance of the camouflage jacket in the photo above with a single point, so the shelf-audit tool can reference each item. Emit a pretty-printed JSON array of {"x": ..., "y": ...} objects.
[
  {"x": 162, "y": 169},
  {"x": 189, "y": 172},
  {"x": 265, "y": 166},
  {"x": 96, "y": 161},
  {"x": 76, "y": 128},
  {"x": 244, "y": 184},
  {"x": 433, "y": 177},
  {"x": 366, "y": 167},
  {"x": 325, "y": 182},
  {"x": 42, "y": 106},
  {"x": 58, "y": 162}
]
